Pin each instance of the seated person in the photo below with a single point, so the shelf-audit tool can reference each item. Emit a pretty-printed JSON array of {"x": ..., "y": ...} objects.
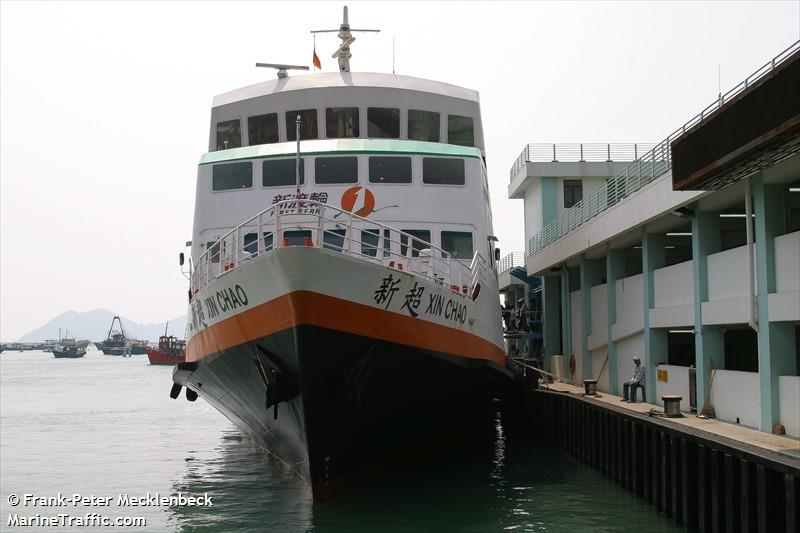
[{"x": 636, "y": 381}]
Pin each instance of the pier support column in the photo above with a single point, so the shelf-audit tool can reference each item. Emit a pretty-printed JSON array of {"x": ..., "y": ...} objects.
[
  {"x": 615, "y": 270},
  {"x": 776, "y": 350},
  {"x": 551, "y": 323},
  {"x": 591, "y": 274},
  {"x": 708, "y": 342},
  {"x": 566, "y": 319},
  {"x": 655, "y": 340}
]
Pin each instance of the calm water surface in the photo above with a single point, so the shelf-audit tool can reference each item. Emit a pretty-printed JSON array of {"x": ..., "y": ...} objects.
[{"x": 106, "y": 426}]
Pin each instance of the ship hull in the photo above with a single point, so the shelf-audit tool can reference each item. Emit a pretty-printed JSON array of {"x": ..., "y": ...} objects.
[
  {"x": 351, "y": 375},
  {"x": 157, "y": 357},
  {"x": 68, "y": 355}
]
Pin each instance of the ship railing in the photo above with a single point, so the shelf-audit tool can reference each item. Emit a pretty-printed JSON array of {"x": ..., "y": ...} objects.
[
  {"x": 319, "y": 225},
  {"x": 653, "y": 164}
]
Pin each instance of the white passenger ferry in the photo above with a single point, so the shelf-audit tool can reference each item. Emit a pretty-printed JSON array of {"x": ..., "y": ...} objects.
[{"x": 360, "y": 304}]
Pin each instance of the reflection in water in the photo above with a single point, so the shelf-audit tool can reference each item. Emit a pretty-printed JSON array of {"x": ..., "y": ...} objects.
[
  {"x": 496, "y": 481},
  {"x": 251, "y": 490}
]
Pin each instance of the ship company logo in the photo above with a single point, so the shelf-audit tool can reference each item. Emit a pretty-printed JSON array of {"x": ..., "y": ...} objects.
[{"x": 360, "y": 201}]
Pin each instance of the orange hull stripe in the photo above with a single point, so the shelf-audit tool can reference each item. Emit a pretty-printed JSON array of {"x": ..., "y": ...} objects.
[{"x": 310, "y": 308}]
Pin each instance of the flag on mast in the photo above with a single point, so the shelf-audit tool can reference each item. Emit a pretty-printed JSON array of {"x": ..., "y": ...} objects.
[{"x": 315, "y": 58}]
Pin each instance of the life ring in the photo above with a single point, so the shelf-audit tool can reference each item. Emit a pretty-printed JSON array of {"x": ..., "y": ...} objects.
[{"x": 572, "y": 364}]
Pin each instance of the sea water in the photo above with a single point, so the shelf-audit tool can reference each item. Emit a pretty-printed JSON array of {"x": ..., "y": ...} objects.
[{"x": 104, "y": 428}]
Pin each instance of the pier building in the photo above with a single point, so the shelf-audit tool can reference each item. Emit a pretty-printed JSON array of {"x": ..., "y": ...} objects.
[{"x": 685, "y": 253}]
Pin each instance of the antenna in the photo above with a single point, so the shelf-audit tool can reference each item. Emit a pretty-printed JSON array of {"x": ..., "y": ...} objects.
[
  {"x": 282, "y": 68},
  {"x": 343, "y": 52}
]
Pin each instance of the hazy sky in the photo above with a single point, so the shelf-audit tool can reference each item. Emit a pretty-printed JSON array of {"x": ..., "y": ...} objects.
[{"x": 104, "y": 110}]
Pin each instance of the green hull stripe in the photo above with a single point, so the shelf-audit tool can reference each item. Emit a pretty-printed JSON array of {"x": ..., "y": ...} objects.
[{"x": 356, "y": 146}]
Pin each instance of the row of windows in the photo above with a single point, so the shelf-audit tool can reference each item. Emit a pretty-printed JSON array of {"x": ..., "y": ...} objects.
[
  {"x": 457, "y": 243},
  {"x": 343, "y": 123},
  {"x": 332, "y": 170}
]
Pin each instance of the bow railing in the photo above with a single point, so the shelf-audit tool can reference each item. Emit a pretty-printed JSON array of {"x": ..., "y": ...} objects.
[{"x": 319, "y": 225}]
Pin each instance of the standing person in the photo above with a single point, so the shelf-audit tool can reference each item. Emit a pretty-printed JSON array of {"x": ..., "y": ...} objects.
[{"x": 636, "y": 381}]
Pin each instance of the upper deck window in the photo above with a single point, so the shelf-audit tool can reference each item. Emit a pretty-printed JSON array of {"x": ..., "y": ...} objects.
[
  {"x": 458, "y": 244},
  {"x": 383, "y": 123},
  {"x": 281, "y": 172},
  {"x": 389, "y": 169},
  {"x": 341, "y": 122},
  {"x": 423, "y": 125},
  {"x": 229, "y": 134},
  {"x": 308, "y": 124},
  {"x": 232, "y": 176},
  {"x": 262, "y": 129},
  {"x": 443, "y": 171},
  {"x": 421, "y": 238},
  {"x": 336, "y": 170},
  {"x": 460, "y": 130},
  {"x": 573, "y": 192}
]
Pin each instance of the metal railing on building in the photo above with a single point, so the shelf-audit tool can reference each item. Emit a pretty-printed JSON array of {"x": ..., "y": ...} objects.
[
  {"x": 511, "y": 260},
  {"x": 577, "y": 153},
  {"x": 656, "y": 162}
]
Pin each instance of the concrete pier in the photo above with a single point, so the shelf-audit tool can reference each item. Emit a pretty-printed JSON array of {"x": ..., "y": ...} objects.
[{"x": 705, "y": 474}]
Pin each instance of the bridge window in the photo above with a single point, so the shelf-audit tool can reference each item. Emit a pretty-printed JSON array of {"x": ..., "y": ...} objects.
[
  {"x": 232, "y": 176},
  {"x": 281, "y": 172},
  {"x": 262, "y": 129},
  {"x": 443, "y": 171},
  {"x": 213, "y": 251},
  {"x": 336, "y": 170},
  {"x": 369, "y": 242},
  {"x": 460, "y": 130},
  {"x": 297, "y": 238},
  {"x": 383, "y": 123},
  {"x": 341, "y": 122},
  {"x": 308, "y": 124},
  {"x": 421, "y": 239},
  {"x": 229, "y": 134},
  {"x": 458, "y": 244},
  {"x": 573, "y": 192},
  {"x": 423, "y": 125},
  {"x": 389, "y": 169}
]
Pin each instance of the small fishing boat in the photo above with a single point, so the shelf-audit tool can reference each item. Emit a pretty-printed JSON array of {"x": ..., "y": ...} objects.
[
  {"x": 171, "y": 351},
  {"x": 69, "y": 348}
]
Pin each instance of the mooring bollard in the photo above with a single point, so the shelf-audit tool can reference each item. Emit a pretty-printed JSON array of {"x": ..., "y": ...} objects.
[
  {"x": 590, "y": 387},
  {"x": 672, "y": 405}
]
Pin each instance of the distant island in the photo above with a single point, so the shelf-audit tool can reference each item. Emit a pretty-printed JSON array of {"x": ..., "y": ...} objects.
[{"x": 93, "y": 325}]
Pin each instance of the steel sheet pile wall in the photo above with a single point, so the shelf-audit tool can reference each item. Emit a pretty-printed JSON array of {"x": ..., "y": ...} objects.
[{"x": 703, "y": 482}]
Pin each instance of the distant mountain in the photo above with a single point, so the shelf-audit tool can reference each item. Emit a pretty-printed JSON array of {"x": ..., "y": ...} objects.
[{"x": 93, "y": 325}]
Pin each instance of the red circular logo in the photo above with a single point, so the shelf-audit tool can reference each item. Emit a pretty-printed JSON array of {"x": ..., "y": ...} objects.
[{"x": 359, "y": 201}]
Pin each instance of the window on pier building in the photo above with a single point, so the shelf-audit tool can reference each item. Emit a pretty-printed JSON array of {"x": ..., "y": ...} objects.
[
  {"x": 458, "y": 244},
  {"x": 389, "y": 169},
  {"x": 336, "y": 170},
  {"x": 423, "y": 126},
  {"x": 341, "y": 122},
  {"x": 383, "y": 123},
  {"x": 232, "y": 176},
  {"x": 308, "y": 124},
  {"x": 229, "y": 134},
  {"x": 369, "y": 242},
  {"x": 281, "y": 172},
  {"x": 262, "y": 129},
  {"x": 741, "y": 349},
  {"x": 573, "y": 192},
  {"x": 460, "y": 131},
  {"x": 421, "y": 238},
  {"x": 443, "y": 171}
]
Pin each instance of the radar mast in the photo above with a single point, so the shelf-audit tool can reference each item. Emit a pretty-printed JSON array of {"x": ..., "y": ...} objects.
[{"x": 344, "y": 33}]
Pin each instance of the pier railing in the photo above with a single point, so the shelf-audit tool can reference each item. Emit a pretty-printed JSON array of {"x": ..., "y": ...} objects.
[
  {"x": 511, "y": 260},
  {"x": 654, "y": 163},
  {"x": 577, "y": 153},
  {"x": 319, "y": 225}
]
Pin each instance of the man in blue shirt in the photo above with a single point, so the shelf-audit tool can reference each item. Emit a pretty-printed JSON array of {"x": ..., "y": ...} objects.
[{"x": 636, "y": 381}]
